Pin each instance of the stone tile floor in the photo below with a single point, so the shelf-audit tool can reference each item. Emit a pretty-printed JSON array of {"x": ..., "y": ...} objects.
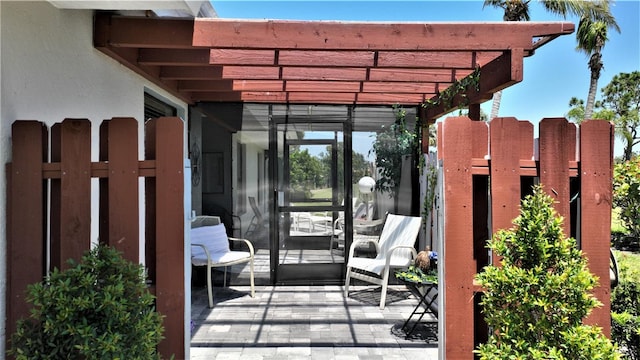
[{"x": 308, "y": 322}]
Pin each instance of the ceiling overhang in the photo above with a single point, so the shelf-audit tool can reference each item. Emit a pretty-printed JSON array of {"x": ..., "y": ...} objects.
[{"x": 321, "y": 62}]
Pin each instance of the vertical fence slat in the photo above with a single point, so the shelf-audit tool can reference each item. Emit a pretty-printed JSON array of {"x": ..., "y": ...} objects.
[
  {"x": 26, "y": 224},
  {"x": 554, "y": 164},
  {"x": 596, "y": 171},
  {"x": 458, "y": 247},
  {"x": 74, "y": 212},
  {"x": 122, "y": 230},
  {"x": 169, "y": 236},
  {"x": 506, "y": 151}
]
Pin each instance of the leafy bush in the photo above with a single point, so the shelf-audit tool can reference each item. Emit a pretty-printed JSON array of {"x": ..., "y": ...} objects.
[
  {"x": 626, "y": 194},
  {"x": 97, "y": 309},
  {"x": 536, "y": 300},
  {"x": 625, "y": 306}
]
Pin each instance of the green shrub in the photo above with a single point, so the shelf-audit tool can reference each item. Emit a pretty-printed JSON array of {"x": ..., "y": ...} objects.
[
  {"x": 625, "y": 306},
  {"x": 536, "y": 300},
  {"x": 97, "y": 309},
  {"x": 626, "y": 194}
]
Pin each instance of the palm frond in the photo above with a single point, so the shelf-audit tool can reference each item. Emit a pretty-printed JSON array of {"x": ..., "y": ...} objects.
[{"x": 596, "y": 10}]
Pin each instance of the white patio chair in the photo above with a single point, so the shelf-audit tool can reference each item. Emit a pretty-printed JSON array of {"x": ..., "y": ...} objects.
[
  {"x": 210, "y": 248},
  {"x": 395, "y": 249}
]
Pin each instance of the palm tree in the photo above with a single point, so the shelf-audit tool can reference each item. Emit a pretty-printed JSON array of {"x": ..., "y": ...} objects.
[
  {"x": 518, "y": 10},
  {"x": 591, "y": 36}
]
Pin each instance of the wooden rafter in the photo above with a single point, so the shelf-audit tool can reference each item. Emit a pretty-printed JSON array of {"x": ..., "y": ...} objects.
[{"x": 268, "y": 61}]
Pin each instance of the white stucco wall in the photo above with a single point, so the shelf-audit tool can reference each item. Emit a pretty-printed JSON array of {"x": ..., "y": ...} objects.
[{"x": 51, "y": 71}]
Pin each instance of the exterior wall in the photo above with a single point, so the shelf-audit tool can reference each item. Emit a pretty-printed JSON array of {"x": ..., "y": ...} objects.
[{"x": 50, "y": 71}]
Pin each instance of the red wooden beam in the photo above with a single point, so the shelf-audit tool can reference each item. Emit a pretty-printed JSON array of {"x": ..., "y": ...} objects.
[
  {"x": 322, "y": 86},
  {"x": 265, "y": 34},
  {"x": 427, "y": 59},
  {"x": 242, "y": 57},
  {"x": 498, "y": 74},
  {"x": 140, "y": 32},
  {"x": 326, "y": 58},
  {"x": 414, "y": 74},
  {"x": 173, "y": 57},
  {"x": 190, "y": 73},
  {"x": 398, "y": 87},
  {"x": 258, "y": 85},
  {"x": 206, "y": 85},
  {"x": 314, "y": 73}
]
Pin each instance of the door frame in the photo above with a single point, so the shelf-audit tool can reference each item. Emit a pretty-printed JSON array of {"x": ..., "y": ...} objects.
[{"x": 309, "y": 274}]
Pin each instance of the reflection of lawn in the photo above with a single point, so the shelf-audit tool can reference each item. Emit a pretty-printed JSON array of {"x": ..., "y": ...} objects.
[
  {"x": 616, "y": 223},
  {"x": 629, "y": 264},
  {"x": 321, "y": 193}
]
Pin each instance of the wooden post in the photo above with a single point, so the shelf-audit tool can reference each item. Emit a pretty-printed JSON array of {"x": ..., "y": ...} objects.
[
  {"x": 596, "y": 172},
  {"x": 459, "y": 264},
  {"x": 169, "y": 230}
]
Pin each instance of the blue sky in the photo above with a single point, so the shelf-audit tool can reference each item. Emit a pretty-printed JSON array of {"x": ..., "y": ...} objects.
[{"x": 554, "y": 74}]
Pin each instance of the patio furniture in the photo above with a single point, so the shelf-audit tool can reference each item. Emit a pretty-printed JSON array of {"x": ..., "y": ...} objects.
[
  {"x": 258, "y": 222},
  {"x": 614, "y": 276},
  {"x": 394, "y": 249},
  {"x": 426, "y": 290},
  {"x": 210, "y": 248}
]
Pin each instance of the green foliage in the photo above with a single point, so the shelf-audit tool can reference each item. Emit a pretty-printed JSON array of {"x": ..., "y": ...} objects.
[
  {"x": 415, "y": 274},
  {"x": 625, "y": 306},
  {"x": 307, "y": 171},
  {"x": 626, "y": 194},
  {"x": 390, "y": 146},
  {"x": 576, "y": 112},
  {"x": 622, "y": 97},
  {"x": 97, "y": 309},
  {"x": 457, "y": 90},
  {"x": 536, "y": 300}
]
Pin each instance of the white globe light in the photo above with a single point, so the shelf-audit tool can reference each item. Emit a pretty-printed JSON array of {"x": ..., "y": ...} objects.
[{"x": 366, "y": 185}]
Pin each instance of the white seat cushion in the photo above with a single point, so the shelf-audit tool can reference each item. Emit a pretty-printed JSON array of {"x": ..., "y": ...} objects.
[{"x": 215, "y": 239}]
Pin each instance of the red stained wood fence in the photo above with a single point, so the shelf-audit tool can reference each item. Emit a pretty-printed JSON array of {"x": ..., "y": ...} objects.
[
  {"x": 487, "y": 169},
  {"x": 69, "y": 173}
]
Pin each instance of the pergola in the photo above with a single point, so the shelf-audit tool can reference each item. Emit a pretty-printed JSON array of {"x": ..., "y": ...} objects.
[
  {"x": 363, "y": 63},
  {"x": 323, "y": 62}
]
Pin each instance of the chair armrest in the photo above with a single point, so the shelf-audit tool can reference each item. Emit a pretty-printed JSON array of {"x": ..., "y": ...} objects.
[
  {"x": 363, "y": 241},
  {"x": 206, "y": 251},
  {"x": 247, "y": 242},
  {"x": 414, "y": 253}
]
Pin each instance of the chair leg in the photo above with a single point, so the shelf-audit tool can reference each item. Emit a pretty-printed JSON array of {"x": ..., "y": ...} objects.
[
  {"x": 209, "y": 287},
  {"x": 224, "y": 280},
  {"x": 383, "y": 294},
  {"x": 253, "y": 291},
  {"x": 346, "y": 282}
]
